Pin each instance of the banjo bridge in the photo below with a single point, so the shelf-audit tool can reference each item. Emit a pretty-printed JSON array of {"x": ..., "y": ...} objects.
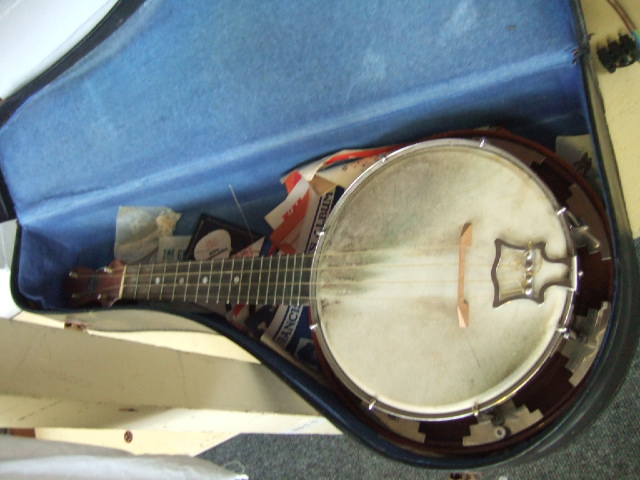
[{"x": 527, "y": 272}]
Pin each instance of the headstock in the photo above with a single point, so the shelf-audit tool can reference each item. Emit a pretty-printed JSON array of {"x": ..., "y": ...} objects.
[{"x": 85, "y": 286}]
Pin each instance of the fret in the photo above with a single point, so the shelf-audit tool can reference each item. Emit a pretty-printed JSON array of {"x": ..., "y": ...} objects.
[
  {"x": 135, "y": 290},
  {"x": 259, "y": 280},
  {"x": 185, "y": 281},
  {"x": 275, "y": 288},
  {"x": 296, "y": 282},
  {"x": 182, "y": 280},
  {"x": 249, "y": 285},
  {"x": 284, "y": 283},
  {"x": 300, "y": 274},
  {"x": 175, "y": 281},
  {"x": 230, "y": 280},
  {"x": 198, "y": 279},
  {"x": 266, "y": 293},
  {"x": 293, "y": 279},
  {"x": 295, "y": 288},
  {"x": 168, "y": 281},
  {"x": 210, "y": 278},
  {"x": 239, "y": 282},
  {"x": 220, "y": 280},
  {"x": 149, "y": 281},
  {"x": 164, "y": 273},
  {"x": 155, "y": 282}
]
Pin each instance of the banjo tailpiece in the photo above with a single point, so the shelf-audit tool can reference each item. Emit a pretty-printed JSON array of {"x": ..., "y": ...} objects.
[{"x": 525, "y": 273}]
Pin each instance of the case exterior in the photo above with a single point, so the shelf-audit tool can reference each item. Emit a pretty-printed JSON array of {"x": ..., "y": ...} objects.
[{"x": 204, "y": 95}]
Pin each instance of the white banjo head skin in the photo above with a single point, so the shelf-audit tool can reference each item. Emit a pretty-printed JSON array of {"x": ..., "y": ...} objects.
[{"x": 388, "y": 281}]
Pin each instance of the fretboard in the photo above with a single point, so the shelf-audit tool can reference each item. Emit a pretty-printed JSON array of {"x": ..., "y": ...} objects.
[{"x": 279, "y": 279}]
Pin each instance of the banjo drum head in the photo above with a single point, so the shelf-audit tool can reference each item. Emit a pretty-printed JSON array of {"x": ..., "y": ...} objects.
[{"x": 388, "y": 280}]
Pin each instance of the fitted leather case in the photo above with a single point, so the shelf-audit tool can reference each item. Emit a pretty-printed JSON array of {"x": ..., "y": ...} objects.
[{"x": 169, "y": 103}]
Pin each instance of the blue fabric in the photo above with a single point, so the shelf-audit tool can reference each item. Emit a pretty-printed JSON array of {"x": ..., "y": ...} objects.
[{"x": 189, "y": 97}]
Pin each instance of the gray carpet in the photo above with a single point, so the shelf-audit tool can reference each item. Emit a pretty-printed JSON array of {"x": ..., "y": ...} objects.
[{"x": 609, "y": 449}]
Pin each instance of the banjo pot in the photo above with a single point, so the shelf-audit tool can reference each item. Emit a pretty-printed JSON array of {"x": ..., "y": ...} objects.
[{"x": 443, "y": 281}]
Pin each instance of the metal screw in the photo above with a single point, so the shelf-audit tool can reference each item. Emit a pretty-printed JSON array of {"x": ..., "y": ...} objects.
[{"x": 500, "y": 432}]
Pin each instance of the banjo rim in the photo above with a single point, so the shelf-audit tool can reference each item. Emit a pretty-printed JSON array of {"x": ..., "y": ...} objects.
[{"x": 370, "y": 400}]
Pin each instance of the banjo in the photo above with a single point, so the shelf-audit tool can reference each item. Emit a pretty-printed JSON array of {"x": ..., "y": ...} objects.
[{"x": 443, "y": 282}]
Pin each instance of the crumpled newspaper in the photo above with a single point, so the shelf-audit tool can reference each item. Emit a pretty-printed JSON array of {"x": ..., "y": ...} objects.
[{"x": 139, "y": 229}]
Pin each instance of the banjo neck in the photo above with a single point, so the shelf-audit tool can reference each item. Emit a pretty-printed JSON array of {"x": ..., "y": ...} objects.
[
  {"x": 287, "y": 279},
  {"x": 278, "y": 279}
]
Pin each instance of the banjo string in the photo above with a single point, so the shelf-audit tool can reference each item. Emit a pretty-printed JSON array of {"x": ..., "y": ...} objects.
[
  {"x": 383, "y": 267},
  {"x": 296, "y": 283},
  {"x": 282, "y": 274},
  {"x": 447, "y": 248},
  {"x": 266, "y": 295}
]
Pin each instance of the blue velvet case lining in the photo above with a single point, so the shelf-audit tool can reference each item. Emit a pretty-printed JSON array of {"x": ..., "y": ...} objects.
[{"x": 187, "y": 98}]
